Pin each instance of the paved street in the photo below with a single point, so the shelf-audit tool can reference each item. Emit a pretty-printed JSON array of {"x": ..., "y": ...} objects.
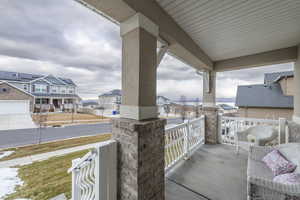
[{"x": 14, "y": 138}]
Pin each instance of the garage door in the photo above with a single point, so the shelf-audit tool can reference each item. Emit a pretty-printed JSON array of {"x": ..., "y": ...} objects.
[
  {"x": 15, "y": 114},
  {"x": 14, "y": 107}
]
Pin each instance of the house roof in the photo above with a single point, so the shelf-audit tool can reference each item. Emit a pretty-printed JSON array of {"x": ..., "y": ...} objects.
[
  {"x": 115, "y": 92},
  {"x": 23, "y": 91},
  {"x": 274, "y": 77},
  {"x": 270, "y": 96},
  {"x": 25, "y": 77},
  {"x": 90, "y": 103}
]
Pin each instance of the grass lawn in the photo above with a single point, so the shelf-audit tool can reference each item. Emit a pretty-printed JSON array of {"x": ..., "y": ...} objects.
[
  {"x": 67, "y": 118},
  {"x": 53, "y": 146},
  {"x": 46, "y": 179}
]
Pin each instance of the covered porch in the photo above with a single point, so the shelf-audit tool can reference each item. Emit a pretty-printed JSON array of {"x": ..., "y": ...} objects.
[
  {"x": 212, "y": 37},
  {"x": 212, "y": 172},
  {"x": 55, "y": 103}
]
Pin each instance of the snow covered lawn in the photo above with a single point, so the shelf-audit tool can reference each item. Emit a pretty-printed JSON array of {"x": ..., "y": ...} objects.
[
  {"x": 8, "y": 181},
  {"x": 5, "y": 153}
]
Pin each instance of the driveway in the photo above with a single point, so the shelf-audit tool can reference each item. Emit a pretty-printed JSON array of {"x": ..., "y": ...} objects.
[{"x": 20, "y": 137}]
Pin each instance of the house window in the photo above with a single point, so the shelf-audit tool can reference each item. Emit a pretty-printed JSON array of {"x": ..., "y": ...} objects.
[
  {"x": 54, "y": 89},
  {"x": 25, "y": 87},
  {"x": 71, "y": 90},
  {"x": 40, "y": 88},
  {"x": 63, "y": 90},
  {"x": 37, "y": 101},
  {"x": 42, "y": 101},
  {"x": 4, "y": 90},
  {"x": 45, "y": 101}
]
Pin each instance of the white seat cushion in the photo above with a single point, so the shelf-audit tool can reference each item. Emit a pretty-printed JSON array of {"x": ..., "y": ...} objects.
[{"x": 291, "y": 152}]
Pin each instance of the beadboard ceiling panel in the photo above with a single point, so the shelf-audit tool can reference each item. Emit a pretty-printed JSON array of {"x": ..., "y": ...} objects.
[{"x": 232, "y": 28}]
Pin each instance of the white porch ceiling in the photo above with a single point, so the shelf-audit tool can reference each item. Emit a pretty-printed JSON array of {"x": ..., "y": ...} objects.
[{"x": 233, "y": 28}]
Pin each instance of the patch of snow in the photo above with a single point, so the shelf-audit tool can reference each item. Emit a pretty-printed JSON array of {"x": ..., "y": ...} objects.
[
  {"x": 8, "y": 181},
  {"x": 5, "y": 153},
  {"x": 22, "y": 199}
]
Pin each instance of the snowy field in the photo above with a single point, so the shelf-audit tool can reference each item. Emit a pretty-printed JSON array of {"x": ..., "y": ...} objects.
[
  {"x": 8, "y": 181},
  {"x": 5, "y": 153},
  {"x": 8, "y": 178}
]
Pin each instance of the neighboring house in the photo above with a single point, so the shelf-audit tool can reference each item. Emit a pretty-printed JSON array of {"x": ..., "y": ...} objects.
[
  {"x": 273, "y": 99},
  {"x": 161, "y": 100},
  {"x": 16, "y": 106},
  {"x": 49, "y": 92},
  {"x": 111, "y": 101},
  {"x": 226, "y": 109},
  {"x": 11, "y": 93},
  {"x": 90, "y": 104}
]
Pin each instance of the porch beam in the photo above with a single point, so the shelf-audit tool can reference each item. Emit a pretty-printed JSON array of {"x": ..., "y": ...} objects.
[
  {"x": 161, "y": 53},
  {"x": 256, "y": 60},
  {"x": 181, "y": 44}
]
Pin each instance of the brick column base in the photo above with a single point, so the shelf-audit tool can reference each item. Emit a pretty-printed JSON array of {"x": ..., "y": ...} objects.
[
  {"x": 211, "y": 125},
  {"x": 141, "y": 160}
]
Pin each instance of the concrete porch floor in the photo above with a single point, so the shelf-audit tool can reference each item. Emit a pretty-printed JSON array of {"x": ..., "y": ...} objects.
[{"x": 213, "y": 172}]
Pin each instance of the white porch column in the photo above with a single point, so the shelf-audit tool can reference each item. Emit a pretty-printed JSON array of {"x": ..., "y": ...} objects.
[
  {"x": 140, "y": 134},
  {"x": 296, "y": 116},
  {"x": 209, "y": 107},
  {"x": 139, "y": 58}
]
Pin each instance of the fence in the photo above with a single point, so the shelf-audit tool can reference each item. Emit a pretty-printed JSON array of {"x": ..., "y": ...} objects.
[
  {"x": 181, "y": 140},
  {"x": 229, "y": 125},
  {"x": 94, "y": 175}
]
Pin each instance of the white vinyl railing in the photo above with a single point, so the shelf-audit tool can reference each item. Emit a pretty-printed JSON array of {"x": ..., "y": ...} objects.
[
  {"x": 94, "y": 176},
  {"x": 229, "y": 125},
  {"x": 181, "y": 140}
]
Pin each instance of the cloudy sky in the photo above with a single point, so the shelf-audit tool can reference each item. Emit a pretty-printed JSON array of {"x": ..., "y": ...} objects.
[{"x": 63, "y": 38}]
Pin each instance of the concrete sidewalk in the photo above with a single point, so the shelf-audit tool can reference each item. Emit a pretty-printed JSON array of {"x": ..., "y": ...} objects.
[{"x": 43, "y": 156}]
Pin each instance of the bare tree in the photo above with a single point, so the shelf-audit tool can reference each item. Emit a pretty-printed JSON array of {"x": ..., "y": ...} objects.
[
  {"x": 42, "y": 117},
  {"x": 167, "y": 109},
  {"x": 197, "y": 112},
  {"x": 183, "y": 110}
]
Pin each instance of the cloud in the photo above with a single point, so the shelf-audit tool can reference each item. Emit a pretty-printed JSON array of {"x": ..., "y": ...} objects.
[{"x": 63, "y": 38}]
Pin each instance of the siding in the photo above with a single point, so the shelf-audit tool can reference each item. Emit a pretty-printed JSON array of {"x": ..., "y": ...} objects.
[
  {"x": 266, "y": 113},
  {"x": 15, "y": 94}
]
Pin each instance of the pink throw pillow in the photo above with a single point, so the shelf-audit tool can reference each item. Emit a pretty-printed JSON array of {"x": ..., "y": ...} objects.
[
  {"x": 278, "y": 163},
  {"x": 290, "y": 178}
]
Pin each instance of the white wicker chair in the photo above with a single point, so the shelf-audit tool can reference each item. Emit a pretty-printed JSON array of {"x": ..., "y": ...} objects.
[
  {"x": 260, "y": 178},
  {"x": 261, "y": 135}
]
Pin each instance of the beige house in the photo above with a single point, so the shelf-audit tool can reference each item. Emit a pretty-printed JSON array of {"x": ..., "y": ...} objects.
[
  {"x": 272, "y": 100},
  {"x": 9, "y": 92}
]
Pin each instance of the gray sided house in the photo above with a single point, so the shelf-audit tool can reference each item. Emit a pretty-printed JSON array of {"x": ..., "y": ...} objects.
[
  {"x": 273, "y": 99},
  {"x": 112, "y": 100},
  {"x": 50, "y": 92}
]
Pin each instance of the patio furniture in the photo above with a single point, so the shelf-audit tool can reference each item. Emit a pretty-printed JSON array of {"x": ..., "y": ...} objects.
[
  {"x": 257, "y": 135},
  {"x": 260, "y": 184}
]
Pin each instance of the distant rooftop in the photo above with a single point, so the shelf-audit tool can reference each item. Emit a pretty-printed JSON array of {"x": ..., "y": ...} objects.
[
  {"x": 115, "y": 92},
  {"x": 26, "y": 77},
  {"x": 274, "y": 77}
]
